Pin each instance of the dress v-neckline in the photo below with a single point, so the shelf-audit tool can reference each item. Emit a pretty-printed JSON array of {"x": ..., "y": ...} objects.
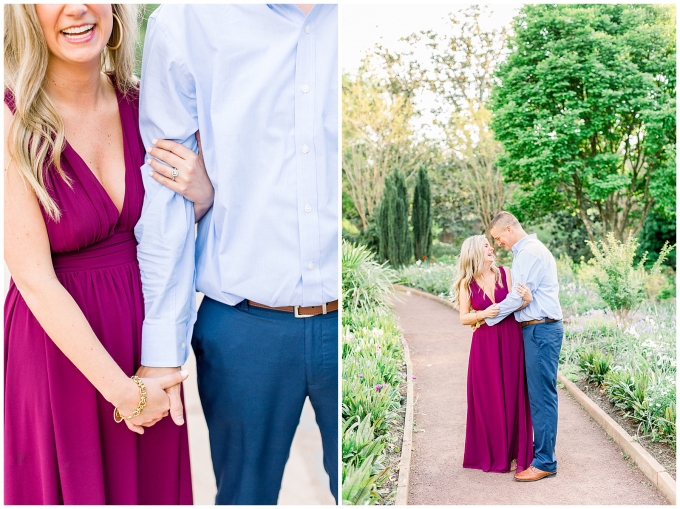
[
  {"x": 493, "y": 301},
  {"x": 98, "y": 183}
]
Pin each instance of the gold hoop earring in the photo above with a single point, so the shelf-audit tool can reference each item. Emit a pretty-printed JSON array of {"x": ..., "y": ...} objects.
[{"x": 120, "y": 39}]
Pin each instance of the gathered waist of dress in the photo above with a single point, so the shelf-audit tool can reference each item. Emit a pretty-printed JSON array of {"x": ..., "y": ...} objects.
[{"x": 118, "y": 249}]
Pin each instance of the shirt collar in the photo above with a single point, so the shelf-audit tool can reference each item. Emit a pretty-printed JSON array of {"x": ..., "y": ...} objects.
[
  {"x": 294, "y": 13},
  {"x": 518, "y": 245}
]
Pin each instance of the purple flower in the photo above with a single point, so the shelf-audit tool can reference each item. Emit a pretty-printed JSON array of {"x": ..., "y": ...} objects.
[
  {"x": 378, "y": 387},
  {"x": 414, "y": 377},
  {"x": 360, "y": 375}
]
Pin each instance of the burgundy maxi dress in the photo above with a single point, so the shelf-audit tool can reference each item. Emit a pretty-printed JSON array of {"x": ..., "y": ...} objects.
[
  {"x": 498, "y": 426},
  {"x": 62, "y": 445}
]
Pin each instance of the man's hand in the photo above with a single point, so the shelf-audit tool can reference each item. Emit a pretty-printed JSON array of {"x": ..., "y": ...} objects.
[{"x": 176, "y": 408}]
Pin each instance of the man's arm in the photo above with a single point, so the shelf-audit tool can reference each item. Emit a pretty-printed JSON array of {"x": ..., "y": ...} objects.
[
  {"x": 525, "y": 269},
  {"x": 165, "y": 232}
]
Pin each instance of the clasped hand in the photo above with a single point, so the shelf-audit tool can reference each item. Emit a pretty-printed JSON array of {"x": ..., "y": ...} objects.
[{"x": 162, "y": 397}]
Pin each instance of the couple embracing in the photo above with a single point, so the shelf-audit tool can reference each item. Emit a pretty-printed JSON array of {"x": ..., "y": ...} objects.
[
  {"x": 233, "y": 128},
  {"x": 512, "y": 371}
]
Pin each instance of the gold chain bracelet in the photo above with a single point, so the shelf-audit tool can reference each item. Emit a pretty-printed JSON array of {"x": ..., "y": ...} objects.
[{"x": 118, "y": 417}]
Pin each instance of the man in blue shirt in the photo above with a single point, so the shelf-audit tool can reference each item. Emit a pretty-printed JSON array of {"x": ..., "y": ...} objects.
[
  {"x": 541, "y": 321},
  {"x": 260, "y": 82}
]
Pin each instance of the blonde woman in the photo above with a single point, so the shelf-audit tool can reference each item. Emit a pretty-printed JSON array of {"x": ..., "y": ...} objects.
[
  {"x": 74, "y": 311},
  {"x": 498, "y": 436}
]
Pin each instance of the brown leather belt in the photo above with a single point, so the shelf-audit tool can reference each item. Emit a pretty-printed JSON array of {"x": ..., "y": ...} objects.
[
  {"x": 302, "y": 312},
  {"x": 534, "y": 322}
]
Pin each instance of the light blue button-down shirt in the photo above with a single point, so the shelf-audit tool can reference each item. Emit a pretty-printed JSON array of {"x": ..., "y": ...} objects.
[
  {"x": 534, "y": 266},
  {"x": 260, "y": 82}
]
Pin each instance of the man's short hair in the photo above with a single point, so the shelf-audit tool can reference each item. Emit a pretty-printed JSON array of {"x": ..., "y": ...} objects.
[{"x": 503, "y": 219}]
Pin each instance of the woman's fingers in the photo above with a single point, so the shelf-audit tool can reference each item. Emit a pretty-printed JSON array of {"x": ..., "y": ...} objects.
[
  {"x": 173, "y": 147},
  {"x": 134, "y": 427},
  {"x": 167, "y": 157}
]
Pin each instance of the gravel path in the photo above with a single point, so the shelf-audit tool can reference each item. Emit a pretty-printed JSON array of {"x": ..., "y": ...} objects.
[{"x": 591, "y": 468}]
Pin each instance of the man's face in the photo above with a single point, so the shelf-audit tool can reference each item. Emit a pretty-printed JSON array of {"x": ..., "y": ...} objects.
[{"x": 504, "y": 237}]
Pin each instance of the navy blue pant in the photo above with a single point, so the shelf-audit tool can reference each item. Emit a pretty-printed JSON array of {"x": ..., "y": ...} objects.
[
  {"x": 255, "y": 368},
  {"x": 542, "y": 344}
]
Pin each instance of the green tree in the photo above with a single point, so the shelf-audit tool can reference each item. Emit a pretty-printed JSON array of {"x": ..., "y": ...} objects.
[
  {"x": 395, "y": 242},
  {"x": 421, "y": 216},
  {"x": 586, "y": 113},
  {"x": 461, "y": 70},
  {"x": 376, "y": 135}
]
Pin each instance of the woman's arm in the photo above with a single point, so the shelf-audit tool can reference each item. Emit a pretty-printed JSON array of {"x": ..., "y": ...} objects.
[
  {"x": 522, "y": 290},
  {"x": 192, "y": 180},
  {"x": 28, "y": 257},
  {"x": 469, "y": 317}
]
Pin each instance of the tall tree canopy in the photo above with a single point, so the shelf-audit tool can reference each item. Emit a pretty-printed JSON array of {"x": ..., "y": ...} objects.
[{"x": 586, "y": 113}]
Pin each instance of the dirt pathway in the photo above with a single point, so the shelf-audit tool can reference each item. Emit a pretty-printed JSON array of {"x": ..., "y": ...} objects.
[{"x": 591, "y": 468}]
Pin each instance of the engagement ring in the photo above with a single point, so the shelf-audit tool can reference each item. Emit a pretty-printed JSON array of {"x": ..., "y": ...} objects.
[{"x": 174, "y": 173}]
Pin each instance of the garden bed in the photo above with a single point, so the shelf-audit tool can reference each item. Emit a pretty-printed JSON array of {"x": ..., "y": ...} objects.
[
  {"x": 661, "y": 452},
  {"x": 373, "y": 382}
]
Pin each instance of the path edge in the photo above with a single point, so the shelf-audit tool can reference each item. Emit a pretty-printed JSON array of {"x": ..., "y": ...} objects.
[
  {"x": 407, "y": 441},
  {"x": 656, "y": 473},
  {"x": 645, "y": 462}
]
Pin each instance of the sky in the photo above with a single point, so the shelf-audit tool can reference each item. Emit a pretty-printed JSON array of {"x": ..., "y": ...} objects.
[{"x": 362, "y": 26}]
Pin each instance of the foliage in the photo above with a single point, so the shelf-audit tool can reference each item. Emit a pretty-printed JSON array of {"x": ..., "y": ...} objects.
[
  {"x": 372, "y": 370},
  {"x": 655, "y": 231},
  {"x": 395, "y": 241},
  {"x": 461, "y": 75},
  {"x": 421, "y": 217},
  {"x": 586, "y": 113},
  {"x": 641, "y": 379},
  {"x": 145, "y": 11},
  {"x": 366, "y": 284},
  {"x": 376, "y": 138},
  {"x": 594, "y": 364},
  {"x": 620, "y": 282},
  {"x": 435, "y": 278}
]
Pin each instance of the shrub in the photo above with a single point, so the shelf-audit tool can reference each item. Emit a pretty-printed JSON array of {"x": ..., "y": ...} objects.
[
  {"x": 620, "y": 282},
  {"x": 366, "y": 284}
]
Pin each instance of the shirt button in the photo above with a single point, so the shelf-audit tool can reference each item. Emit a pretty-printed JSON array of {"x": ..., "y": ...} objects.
[
  {"x": 305, "y": 89},
  {"x": 184, "y": 345},
  {"x": 308, "y": 208},
  {"x": 310, "y": 265},
  {"x": 305, "y": 149},
  {"x": 308, "y": 29}
]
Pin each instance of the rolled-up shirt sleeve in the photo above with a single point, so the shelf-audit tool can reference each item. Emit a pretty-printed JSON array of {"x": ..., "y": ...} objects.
[
  {"x": 525, "y": 269},
  {"x": 165, "y": 233}
]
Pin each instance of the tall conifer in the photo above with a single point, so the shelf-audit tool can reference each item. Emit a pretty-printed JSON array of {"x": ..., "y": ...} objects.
[
  {"x": 421, "y": 217},
  {"x": 395, "y": 244}
]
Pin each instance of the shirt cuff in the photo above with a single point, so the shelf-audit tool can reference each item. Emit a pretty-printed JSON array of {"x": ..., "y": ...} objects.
[{"x": 164, "y": 346}]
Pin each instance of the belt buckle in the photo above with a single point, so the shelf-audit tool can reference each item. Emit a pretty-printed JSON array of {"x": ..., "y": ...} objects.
[{"x": 298, "y": 315}]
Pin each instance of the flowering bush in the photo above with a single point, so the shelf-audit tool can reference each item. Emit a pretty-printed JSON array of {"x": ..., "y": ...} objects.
[{"x": 620, "y": 282}]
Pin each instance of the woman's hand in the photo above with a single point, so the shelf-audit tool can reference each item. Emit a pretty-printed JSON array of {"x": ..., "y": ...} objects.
[
  {"x": 524, "y": 292},
  {"x": 157, "y": 401},
  {"x": 192, "y": 180},
  {"x": 490, "y": 312}
]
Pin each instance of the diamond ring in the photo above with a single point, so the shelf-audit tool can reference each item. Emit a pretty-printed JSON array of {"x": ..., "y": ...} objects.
[{"x": 174, "y": 173}]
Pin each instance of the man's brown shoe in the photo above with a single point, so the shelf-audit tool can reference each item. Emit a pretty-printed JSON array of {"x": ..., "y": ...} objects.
[{"x": 532, "y": 474}]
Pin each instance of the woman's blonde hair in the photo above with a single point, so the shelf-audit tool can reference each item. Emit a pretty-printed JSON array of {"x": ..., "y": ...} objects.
[
  {"x": 470, "y": 266},
  {"x": 37, "y": 131}
]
